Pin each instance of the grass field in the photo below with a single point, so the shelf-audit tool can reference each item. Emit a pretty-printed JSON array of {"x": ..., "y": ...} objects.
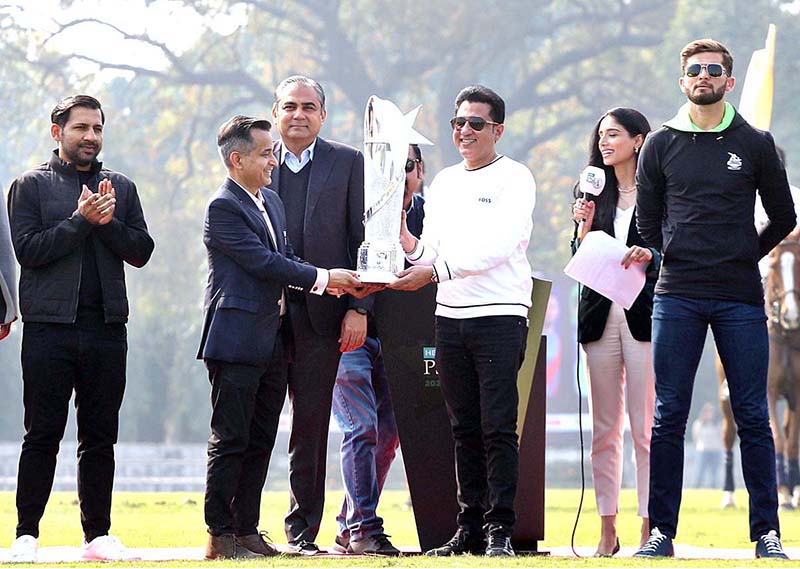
[{"x": 176, "y": 520}]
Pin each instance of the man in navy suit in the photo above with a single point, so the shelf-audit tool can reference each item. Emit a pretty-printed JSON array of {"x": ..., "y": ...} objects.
[
  {"x": 321, "y": 183},
  {"x": 250, "y": 262}
]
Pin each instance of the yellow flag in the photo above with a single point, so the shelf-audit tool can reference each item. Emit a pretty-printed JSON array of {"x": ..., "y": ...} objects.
[{"x": 756, "y": 102}]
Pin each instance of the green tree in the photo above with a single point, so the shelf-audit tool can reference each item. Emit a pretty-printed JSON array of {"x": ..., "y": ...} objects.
[{"x": 559, "y": 64}]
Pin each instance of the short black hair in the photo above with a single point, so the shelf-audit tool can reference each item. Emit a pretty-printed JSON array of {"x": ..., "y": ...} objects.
[
  {"x": 234, "y": 135},
  {"x": 417, "y": 151},
  {"x": 60, "y": 113},
  {"x": 481, "y": 94}
]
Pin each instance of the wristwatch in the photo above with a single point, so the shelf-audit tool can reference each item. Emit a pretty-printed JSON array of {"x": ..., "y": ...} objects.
[{"x": 360, "y": 310}]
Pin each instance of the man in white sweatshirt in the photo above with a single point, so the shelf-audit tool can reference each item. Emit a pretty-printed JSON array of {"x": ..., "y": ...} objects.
[{"x": 477, "y": 227}]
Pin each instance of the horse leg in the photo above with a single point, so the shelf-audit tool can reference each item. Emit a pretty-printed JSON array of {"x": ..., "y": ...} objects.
[
  {"x": 728, "y": 436},
  {"x": 791, "y": 453},
  {"x": 774, "y": 378},
  {"x": 781, "y": 472},
  {"x": 792, "y": 450}
]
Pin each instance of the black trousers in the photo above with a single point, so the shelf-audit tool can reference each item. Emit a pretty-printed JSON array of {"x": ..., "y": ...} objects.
[
  {"x": 312, "y": 375},
  {"x": 246, "y": 404},
  {"x": 87, "y": 357},
  {"x": 478, "y": 360}
]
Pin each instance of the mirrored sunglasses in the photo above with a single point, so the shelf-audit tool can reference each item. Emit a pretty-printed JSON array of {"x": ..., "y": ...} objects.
[
  {"x": 475, "y": 123},
  {"x": 713, "y": 69}
]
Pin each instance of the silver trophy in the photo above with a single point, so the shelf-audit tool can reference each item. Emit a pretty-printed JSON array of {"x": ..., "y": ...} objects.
[{"x": 387, "y": 134}]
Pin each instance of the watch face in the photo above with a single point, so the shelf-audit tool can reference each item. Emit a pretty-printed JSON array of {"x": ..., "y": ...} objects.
[{"x": 361, "y": 310}]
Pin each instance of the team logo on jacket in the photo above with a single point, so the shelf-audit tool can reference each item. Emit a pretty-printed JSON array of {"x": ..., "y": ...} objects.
[{"x": 734, "y": 162}]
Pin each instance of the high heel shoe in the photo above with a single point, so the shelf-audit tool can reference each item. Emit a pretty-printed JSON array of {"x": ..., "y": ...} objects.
[{"x": 613, "y": 551}]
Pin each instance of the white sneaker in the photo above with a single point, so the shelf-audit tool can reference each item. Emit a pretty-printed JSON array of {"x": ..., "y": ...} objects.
[
  {"x": 23, "y": 550},
  {"x": 105, "y": 548}
]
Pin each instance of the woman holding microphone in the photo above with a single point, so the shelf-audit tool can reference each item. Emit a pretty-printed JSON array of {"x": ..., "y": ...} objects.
[{"x": 617, "y": 341}]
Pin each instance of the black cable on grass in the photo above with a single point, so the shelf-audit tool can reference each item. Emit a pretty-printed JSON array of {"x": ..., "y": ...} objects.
[{"x": 580, "y": 435}]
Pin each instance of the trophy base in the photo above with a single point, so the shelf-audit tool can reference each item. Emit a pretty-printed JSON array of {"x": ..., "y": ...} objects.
[
  {"x": 376, "y": 277},
  {"x": 379, "y": 261}
]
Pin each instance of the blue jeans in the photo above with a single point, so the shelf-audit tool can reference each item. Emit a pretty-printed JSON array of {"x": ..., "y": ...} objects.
[
  {"x": 362, "y": 407},
  {"x": 740, "y": 333}
]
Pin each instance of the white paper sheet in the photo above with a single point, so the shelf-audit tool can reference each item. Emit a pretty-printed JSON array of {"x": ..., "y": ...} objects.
[{"x": 597, "y": 265}]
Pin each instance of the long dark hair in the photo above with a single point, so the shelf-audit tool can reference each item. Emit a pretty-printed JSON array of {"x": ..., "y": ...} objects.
[{"x": 635, "y": 123}]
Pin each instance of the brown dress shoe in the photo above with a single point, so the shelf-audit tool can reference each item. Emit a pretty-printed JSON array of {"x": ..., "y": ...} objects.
[
  {"x": 258, "y": 543},
  {"x": 221, "y": 546}
]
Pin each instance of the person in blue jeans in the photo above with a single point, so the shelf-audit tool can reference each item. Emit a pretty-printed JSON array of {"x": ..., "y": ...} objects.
[
  {"x": 362, "y": 407},
  {"x": 697, "y": 181}
]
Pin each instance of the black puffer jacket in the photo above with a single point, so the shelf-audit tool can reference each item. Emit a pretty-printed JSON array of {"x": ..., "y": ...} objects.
[{"x": 48, "y": 236}]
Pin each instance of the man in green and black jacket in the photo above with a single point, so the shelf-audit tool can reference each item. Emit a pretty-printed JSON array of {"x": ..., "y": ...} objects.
[{"x": 697, "y": 178}]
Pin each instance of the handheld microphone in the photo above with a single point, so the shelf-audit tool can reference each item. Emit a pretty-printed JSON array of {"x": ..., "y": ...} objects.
[{"x": 592, "y": 181}]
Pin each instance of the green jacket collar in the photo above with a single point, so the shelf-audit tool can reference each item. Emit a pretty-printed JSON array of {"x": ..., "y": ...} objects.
[{"x": 682, "y": 121}]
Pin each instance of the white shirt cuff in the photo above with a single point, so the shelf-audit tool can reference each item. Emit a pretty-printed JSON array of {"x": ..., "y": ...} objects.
[
  {"x": 416, "y": 253},
  {"x": 321, "y": 283},
  {"x": 442, "y": 272}
]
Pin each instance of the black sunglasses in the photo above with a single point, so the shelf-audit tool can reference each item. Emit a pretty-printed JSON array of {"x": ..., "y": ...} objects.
[
  {"x": 713, "y": 69},
  {"x": 475, "y": 123},
  {"x": 411, "y": 164}
]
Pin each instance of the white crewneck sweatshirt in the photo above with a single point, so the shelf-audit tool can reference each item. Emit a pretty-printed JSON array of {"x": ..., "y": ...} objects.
[{"x": 477, "y": 227}]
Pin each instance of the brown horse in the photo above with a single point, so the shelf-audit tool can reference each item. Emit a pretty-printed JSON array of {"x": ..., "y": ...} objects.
[{"x": 782, "y": 289}]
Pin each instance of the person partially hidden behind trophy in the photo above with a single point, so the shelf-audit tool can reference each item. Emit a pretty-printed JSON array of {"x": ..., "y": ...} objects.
[
  {"x": 478, "y": 222},
  {"x": 362, "y": 407},
  {"x": 245, "y": 331}
]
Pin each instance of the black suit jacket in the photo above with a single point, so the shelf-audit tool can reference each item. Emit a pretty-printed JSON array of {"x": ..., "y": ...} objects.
[
  {"x": 246, "y": 274},
  {"x": 333, "y": 227},
  {"x": 593, "y": 307}
]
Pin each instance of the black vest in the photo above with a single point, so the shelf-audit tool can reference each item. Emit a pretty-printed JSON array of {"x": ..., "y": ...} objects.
[{"x": 293, "y": 189}]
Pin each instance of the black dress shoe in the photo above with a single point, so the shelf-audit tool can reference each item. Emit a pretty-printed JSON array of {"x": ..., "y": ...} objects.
[
  {"x": 464, "y": 541},
  {"x": 499, "y": 545}
]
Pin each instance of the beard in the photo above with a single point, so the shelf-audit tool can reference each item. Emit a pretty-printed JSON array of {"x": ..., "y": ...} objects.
[
  {"x": 708, "y": 97},
  {"x": 75, "y": 155}
]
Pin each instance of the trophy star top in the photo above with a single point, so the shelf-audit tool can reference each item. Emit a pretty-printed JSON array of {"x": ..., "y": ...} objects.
[
  {"x": 415, "y": 137},
  {"x": 390, "y": 125}
]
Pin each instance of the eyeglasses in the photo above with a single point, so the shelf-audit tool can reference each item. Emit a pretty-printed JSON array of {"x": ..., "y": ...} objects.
[
  {"x": 713, "y": 69},
  {"x": 411, "y": 164},
  {"x": 475, "y": 123}
]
